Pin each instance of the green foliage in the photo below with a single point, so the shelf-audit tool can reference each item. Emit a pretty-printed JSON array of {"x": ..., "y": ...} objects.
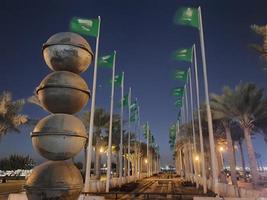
[
  {"x": 14, "y": 162},
  {"x": 10, "y": 114}
]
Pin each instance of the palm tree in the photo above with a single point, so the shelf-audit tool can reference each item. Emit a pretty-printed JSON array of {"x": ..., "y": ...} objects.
[
  {"x": 100, "y": 123},
  {"x": 10, "y": 114},
  {"x": 260, "y": 49},
  {"x": 218, "y": 105},
  {"x": 246, "y": 105}
]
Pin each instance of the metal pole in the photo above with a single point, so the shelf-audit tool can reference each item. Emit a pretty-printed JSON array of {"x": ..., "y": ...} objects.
[
  {"x": 203, "y": 163},
  {"x": 147, "y": 148},
  {"x": 214, "y": 163},
  {"x": 121, "y": 131},
  {"x": 193, "y": 125},
  {"x": 129, "y": 131},
  {"x": 110, "y": 124},
  {"x": 139, "y": 149},
  {"x": 92, "y": 114},
  {"x": 192, "y": 110}
]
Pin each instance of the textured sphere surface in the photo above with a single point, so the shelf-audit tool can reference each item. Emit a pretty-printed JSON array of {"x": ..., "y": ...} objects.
[
  {"x": 63, "y": 92},
  {"x": 59, "y": 136},
  {"x": 54, "y": 180},
  {"x": 67, "y": 51}
]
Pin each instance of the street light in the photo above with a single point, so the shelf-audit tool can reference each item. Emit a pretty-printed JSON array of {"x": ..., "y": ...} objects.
[
  {"x": 101, "y": 150},
  {"x": 146, "y": 161},
  {"x": 197, "y": 158}
]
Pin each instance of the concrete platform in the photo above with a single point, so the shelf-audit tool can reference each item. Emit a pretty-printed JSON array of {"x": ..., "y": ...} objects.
[{"x": 22, "y": 196}]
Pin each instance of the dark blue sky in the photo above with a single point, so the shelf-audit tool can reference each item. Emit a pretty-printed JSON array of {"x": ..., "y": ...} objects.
[{"x": 142, "y": 33}]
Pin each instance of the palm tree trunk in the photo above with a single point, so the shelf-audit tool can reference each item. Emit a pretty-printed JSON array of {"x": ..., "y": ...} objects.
[
  {"x": 97, "y": 162},
  {"x": 230, "y": 153},
  {"x": 242, "y": 155},
  {"x": 251, "y": 157},
  {"x": 118, "y": 163},
  {"x": 234, "y": 152}
]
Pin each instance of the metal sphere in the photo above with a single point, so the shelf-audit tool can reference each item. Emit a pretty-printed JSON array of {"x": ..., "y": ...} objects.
[
  {"x": 63, "y": 92},
  {"x": 59, "y": 136},
  {"x": 67, "y": 51},
  {"x": 54, "y": 180}
]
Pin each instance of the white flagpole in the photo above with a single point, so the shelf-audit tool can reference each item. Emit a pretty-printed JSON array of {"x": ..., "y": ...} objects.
[
  {"x": 203, "y": 164},
  {"x": 147, "y": 147},
  {"x": 214, "y": 163},
  {"x": 110, "y": 124},
  {"x": 186, "y": 103},
  {"x": 92, "y": 114},
  {"x": 192, "y": 109},
  {"x": 176, "y": 140},
  {"x": 187, "y": 121},
  {"x": 139, "y": 148},
  {"x": 193, "y": 126},
  {"x": 129, "y": 131},
  {"x": 121, "y": 131}
]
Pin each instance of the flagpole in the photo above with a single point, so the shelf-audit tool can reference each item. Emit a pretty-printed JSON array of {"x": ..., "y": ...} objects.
[
  {"x": 147, "y": 147},
  {"x": 110, "y": 124},
  {"x": 203, "y": 164},
  {"x": 92, "y": 114},
  {"x": 187, "y": 121},
  {"x": 176, "y": 140},
  {"x": 129, "y": 131},
  {"x": 139, "y": 149},
  {"x": 135, "y": 148},
  {"x": 209, "y": 117},
  {"x": 121, "y": 131},
  {"x": 193, "y": 124},
  {"x": 192, "y": 110}
]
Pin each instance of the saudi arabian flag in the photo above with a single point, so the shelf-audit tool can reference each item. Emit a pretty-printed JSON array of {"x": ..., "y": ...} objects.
[
  {"x": 178, "y": 92},
  {"x": 87, "y": 27},
  {"x": 134, "y": 116},
  {"x": 183, "y": 54},
  {"x": 133, "y": 106},
  {"x": 187, "y": 16},
  {"x": 146, "y": 128},
  {"x": 117, "y": 80},
  {"x": 181, "y": 75},
  {"x": 125, "y": 100},
  {"x": 106, "y": 61},
  {"x": 178, "y": 103}
]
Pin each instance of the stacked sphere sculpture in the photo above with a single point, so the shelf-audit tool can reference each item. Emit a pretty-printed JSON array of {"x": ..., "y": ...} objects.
[{"x": 60, "y": 136}]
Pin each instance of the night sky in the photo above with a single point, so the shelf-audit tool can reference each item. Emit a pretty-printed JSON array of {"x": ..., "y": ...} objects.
[{"x": 143, "y": 34}]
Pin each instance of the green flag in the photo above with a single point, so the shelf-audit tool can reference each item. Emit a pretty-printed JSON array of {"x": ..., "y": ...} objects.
[
  {"x": 146, "y": 128},
  {"x": 87, "y": 27},
  {"x": 187, "y": 16},
  {"x": 106, "y": 61},
  {"x": 181, "y": 75},
  {"x": 117, "y": 80},
  {"x": 133, "y": 106},
  {"x": 184, "y": 54},
  {"x": 178, "y": 92},
  {"x": 125, "y": 100},
  {"x": 134, "y": 116},
  {"x": 178, "y": 103}
]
